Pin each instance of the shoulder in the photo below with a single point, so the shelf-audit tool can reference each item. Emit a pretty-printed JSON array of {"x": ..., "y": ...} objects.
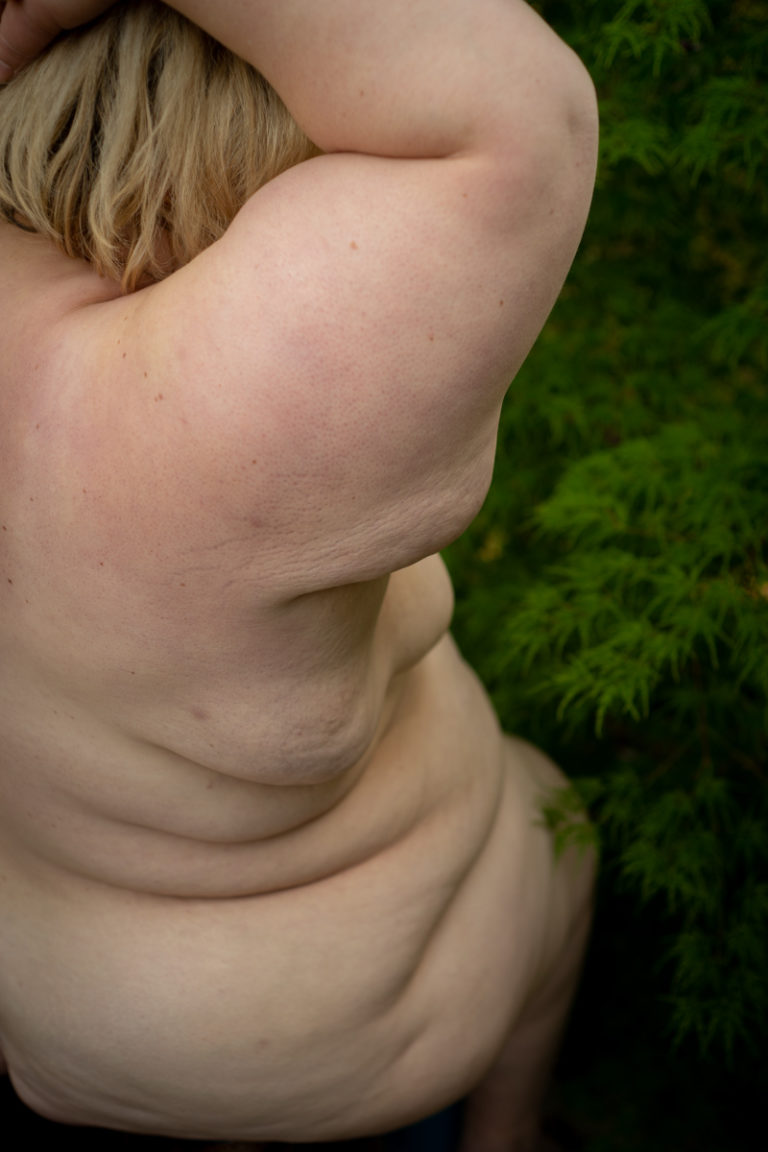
[
  {"x": 333, "y": 368},
  {"x": 41, "y": 293},
  {"x": 348, "y": 342}
]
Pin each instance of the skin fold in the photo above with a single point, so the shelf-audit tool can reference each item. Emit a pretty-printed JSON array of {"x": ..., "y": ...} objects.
[{"x": 269, "y": 869}]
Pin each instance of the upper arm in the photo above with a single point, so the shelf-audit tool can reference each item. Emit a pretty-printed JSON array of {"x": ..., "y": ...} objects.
[{"x": 345, "y": 348}]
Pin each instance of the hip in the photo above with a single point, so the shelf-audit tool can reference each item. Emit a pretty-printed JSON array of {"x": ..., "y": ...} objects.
[{"x": 329, "y": 1010}]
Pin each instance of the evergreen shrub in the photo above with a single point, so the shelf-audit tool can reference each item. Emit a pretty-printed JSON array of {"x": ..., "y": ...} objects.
[{"x": 613, "y": 593}]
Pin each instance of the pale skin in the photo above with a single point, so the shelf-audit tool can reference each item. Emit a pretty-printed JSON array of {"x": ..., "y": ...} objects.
[{"x": 269, "y": 870}]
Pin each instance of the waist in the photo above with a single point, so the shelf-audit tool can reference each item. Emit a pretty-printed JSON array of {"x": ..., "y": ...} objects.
[
  {"x": 167, "y": 827},
  {"x": 325, "y": 970}
]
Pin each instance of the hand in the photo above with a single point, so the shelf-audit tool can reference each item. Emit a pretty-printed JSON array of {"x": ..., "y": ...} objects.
[{"x": 29, "y": 26}]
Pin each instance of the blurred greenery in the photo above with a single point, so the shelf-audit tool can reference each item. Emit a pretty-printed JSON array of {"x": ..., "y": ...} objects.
[{"x": 613, "y": 593}]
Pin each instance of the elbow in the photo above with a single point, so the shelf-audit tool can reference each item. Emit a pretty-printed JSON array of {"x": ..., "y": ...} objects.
[
  {"x": 574, "y": 163},
  {"x": 557, "y": 117},
  {"x": 574, "y": 120},
  {"x": 582, "y": 117},
  {"x": 560, "y": 155},
  {"x": 582, "y": 133}
]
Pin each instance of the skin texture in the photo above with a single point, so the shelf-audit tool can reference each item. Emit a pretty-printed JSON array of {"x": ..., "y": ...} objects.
[
  {"x": 269, "y": 870},
  {"x": 27, "y": 28}
]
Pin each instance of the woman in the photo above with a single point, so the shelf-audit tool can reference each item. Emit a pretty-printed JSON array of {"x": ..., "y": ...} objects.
[{"x": 270, "y": 871}]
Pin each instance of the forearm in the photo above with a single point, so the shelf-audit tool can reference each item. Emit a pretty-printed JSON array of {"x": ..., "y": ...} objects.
[{"x": 406, "y": 78}]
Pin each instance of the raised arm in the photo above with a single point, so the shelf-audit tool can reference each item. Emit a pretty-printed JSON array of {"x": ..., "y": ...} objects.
[
  {"x": 407, "y": 78},
  {"x": 374, "y": 304},
  {"x": 351, "y": 337}
]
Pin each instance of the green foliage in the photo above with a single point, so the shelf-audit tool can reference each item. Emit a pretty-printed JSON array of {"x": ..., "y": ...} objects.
[{"x": 614, "y": 591}]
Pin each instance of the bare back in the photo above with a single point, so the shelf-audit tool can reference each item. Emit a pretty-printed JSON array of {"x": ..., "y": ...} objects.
[
  {"x": 202, "y": 778},
  {"x": 268, "y": 867}
]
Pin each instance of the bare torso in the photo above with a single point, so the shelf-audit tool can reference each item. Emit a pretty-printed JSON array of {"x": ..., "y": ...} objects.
[{"x": 268, "y": 867}]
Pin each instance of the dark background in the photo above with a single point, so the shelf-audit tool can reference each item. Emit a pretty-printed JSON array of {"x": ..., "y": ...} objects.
[{"x": 613, "y": 593}]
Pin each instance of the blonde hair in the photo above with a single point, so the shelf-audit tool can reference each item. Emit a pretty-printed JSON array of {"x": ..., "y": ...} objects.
[{"x": 139, "y": 137}]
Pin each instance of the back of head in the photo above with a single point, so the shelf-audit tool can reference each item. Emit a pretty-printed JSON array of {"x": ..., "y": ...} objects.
[{"x": 133, "y": 142}]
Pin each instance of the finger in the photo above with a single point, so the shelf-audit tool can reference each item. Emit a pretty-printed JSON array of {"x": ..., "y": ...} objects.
[{"x": 23, "y": 35}]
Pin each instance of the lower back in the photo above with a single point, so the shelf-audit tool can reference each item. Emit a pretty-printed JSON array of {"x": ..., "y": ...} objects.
[{"x": 336, "y": 962}]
